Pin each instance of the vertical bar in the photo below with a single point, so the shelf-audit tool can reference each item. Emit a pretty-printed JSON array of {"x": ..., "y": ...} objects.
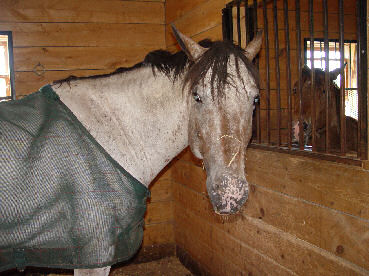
[
  {"x": 321, "y": 56},
  {"x": 248, "y": 22},
  {"x": 239, "y": 23},
  {"x": 267, "y": 69},
  {"x": 11, "y": 65},
  {"x": 299, "y": 68},
  {"x": 327, "y": 79},
  {"x": 277, "y": 72},
  {"x": 312, "y": 87},
  {"x": 230, "y": 22},
  {"x": 362, "y": 79},
  {"x": 227, "y": 24},
  {"x": 255, "y": 19},
  {"x": 350, "y": 73},
  {"x": 342, "y": 84},
  {"x": 288, "y": 70}
]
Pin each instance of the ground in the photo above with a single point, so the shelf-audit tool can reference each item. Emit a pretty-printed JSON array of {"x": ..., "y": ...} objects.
[{"x": 170, "y": 266}]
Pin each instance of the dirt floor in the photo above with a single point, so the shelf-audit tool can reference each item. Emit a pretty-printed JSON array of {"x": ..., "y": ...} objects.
[{"x": 170, "y": 266}]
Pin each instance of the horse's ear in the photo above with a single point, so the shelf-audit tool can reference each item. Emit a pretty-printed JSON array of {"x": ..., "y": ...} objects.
[
  {"x": 306, "y": 71},
  {"x": 190, "y": 47},
  {"x": 253, "y": 48},
  {"x": 334, "y": 74}
]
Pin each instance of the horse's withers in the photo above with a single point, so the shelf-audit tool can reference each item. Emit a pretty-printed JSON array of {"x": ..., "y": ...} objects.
[{"x": 220, "y": 117}]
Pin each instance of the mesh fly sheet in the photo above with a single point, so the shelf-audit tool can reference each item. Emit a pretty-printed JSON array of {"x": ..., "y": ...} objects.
[{"x": 64, "y": 202}]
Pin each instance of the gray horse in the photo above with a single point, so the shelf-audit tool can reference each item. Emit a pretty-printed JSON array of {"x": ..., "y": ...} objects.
[{"x": 141, "y": 117}]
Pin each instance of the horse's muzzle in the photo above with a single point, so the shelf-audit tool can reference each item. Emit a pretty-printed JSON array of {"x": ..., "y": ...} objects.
[{"x": 228, "y": 194}]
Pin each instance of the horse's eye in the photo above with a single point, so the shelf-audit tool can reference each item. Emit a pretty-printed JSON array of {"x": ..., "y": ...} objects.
[
  {"x": 196, "y": 97},
  {"x": 257, "y": 99}
]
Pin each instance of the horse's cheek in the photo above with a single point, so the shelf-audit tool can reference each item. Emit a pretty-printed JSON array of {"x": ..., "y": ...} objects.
[{"x": 194, "y": 139}]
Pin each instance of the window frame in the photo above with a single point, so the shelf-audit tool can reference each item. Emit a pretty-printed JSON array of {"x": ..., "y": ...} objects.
[{"x": 11, "y": 65}]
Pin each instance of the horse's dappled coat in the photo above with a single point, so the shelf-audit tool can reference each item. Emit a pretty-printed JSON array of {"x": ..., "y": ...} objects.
[{"x": 64, "y": 202}]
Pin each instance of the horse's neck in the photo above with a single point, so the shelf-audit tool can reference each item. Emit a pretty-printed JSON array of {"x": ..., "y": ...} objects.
[{"x": 139, "y": 119}]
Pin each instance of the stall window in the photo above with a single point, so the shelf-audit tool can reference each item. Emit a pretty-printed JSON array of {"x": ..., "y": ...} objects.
[{"x": 7, "y": 91}]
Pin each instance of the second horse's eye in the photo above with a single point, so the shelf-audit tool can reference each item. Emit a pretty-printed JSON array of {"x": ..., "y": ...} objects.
[{"x": 196, "y": 97}]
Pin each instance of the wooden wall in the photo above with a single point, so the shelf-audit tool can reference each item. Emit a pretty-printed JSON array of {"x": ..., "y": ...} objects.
[
  {"x": 303, "y": 216},
  {"x": 78, "y": 37},
  {"x": 88, "y": 37}
]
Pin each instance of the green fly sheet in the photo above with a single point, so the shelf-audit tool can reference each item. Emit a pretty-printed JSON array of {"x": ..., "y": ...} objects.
[{"x": 64, "y": 202}]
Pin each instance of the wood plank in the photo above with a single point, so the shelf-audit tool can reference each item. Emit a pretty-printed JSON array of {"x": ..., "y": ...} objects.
[
  {"x": 28, "y": 82},
  {"x": 80, "y": 34},
  {"x": 222, "y": 244},
  {"x": 159, "y": 212},
  {"x": 350, "y": 21},
  {"x": 193, "y": 176},
  {"x": 214, "y": 34},
  {"x": 341, "y": 187},
  {"x": 204, "y": 255},
  {"x": 294, "y": 254},
  {"x": 160, "y": 233},
  {"x": 78, "y": 58},
  {"x": 203, "y": 18},
  {"x": 87, "y": 11},
  {"x": 336, "y": 232},
  {"x": 161, "y": 190},
  {"x": 175, "y": 9}
]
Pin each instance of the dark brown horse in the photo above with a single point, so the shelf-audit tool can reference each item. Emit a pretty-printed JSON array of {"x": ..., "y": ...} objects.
[{"x": 320, "y": 113}]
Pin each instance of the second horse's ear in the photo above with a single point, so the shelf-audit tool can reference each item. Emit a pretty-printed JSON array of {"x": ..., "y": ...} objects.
[{"x": 192, "y": 49}]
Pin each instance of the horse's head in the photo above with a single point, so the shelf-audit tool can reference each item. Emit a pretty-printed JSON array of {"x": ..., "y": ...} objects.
[
  {"x": 222, "y": 84},
  {"x": 320, "y": 105}
]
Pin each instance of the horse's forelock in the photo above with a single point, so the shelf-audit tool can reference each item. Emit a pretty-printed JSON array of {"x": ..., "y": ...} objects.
[{"x": 216, "y": 59}]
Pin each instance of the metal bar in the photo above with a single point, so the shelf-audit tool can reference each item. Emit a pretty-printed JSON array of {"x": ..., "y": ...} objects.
[
  {"x": 267, "y": 69},
  {"x": 321, "y": 58},
  {"x": 312, "y": 87},
  {"x": 299, "y": 68},
  {"x": 239, "y": 23},
  {"x": 277, "y": 71},
  {"x": 230, "y": 23},
  {"x": 288, "y": 70},
  {"x": 255, "y": 19},
  {"x": 350, "y": 73},
  {"x": 227, "y": 24},
  {"x": 362, "y": 79},
  {"x": 358, "y": 77},
  {"x": 342, "y": 84},
  {"x": 248, "y": 23},
  {"x": 326, "y": 80}
]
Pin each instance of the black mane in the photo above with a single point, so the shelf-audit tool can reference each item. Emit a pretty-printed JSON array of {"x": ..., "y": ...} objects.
[{"x": 173, "y": 65}]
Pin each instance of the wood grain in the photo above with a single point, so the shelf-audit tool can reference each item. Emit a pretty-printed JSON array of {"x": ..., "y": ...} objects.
[
  {"x": 88, "y": 35},
  {"x": 294, "y": 254},
  {"x": 79, "y": 58},
  {"x": 86, "y": 11},
  {"x": 324, "y": 227},
  {"x": 160, "y": 233}
]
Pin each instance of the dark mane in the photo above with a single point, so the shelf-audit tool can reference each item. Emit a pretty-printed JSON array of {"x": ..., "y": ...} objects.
[
  {"x": 216, "y": 59},
  {"x": 173, "y": 65}
]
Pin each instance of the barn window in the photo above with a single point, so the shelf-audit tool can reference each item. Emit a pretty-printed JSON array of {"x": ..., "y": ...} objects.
[
  {"x": 350, "y": 60},
  {"x": 295, "y": 33},
  {"x": 7, "y": 90}
]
